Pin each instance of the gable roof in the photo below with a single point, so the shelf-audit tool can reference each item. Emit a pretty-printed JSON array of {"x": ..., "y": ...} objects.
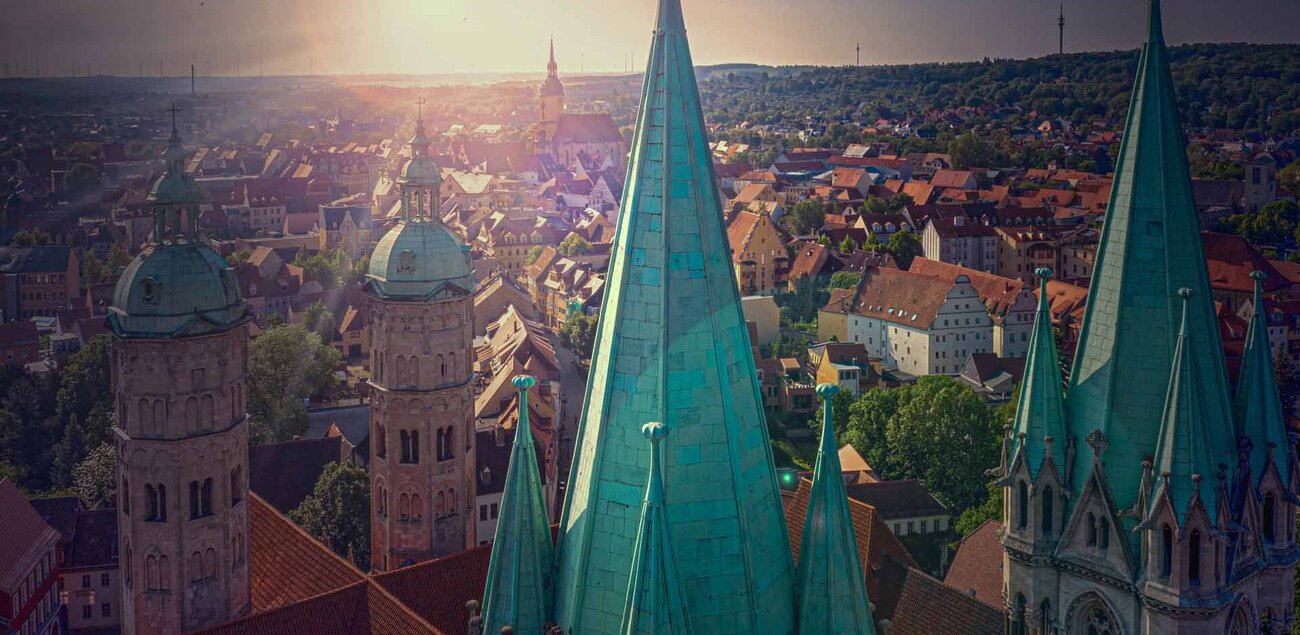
[
  {"x": 927, "y": 607},
  {"x": 997, "y": 293},
  {"x": 897, "y": 499},
  {"x": 900, "y": 297},
  {"x": 24, "y": 536},
  {"x": 587, "y": 128},
  {"x": 976, "y": 569},
  {"x": 284, "y": 474}
]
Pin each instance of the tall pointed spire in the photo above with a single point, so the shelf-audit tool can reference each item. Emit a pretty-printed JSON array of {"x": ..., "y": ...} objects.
[
  {"x": 672, "y": 347},
  {"x": 521, "y": 584},
  {"x": 1257, "y": 405},
  {"x": 655, "y": 604},
  {"x": 1185, "y": 457},
  {"x": 1150, "y": 247},
  {"x": 832, "y": 588},
  {"x": 1040, "y": 414}
]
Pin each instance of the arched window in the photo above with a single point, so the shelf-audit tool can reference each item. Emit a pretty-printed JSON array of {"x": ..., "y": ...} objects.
[
  {"x": 236, "y": 485},
  {"x": 1018, "y": 616},
  {"x": 1194, "y": 558},
  {"x": 1270, "y": 517},
  {"x": 165, "y": 571},
  {"x": 210, "y": 563},
  {"x": 205, "y": 497},
  {"x": 381, "y": 441},
  {"x": 1022, "y": 505},
  {"x": 125, "y": 495},
  {"x": 440, "y": 504},
  {"x": 438, "y": 437},
  {"x": 151, "y": 573},
  {"x": 192, "y": 414},
  {"x": 205, "y": 412},
  {"x": 404, "y": 507},
  {"x": 194, "y": 500},
  {"x": 1103, "y": 533},
  {"x": 159, "y": 418},
  {"x": 1092, "y": 530},
  {"x": 401, "y": 371},
  {"x": 1166, "y": 550},
  {"x": 417, "y": 507},
  {"x": 451, "y": 366},
  {"x": 1046, "y": 511},
  {"x": 415, "y": 446},
  {"x": 196, "y": 567},
  {"x": 1094, "y": 618},
  {"x": 447, "y": 451},
  {"x": 406, "y": 446},
  {"x": 442, "y": 368},
  {"x": 1045, "y": 617},
  {"x": 415, "y": 372}
]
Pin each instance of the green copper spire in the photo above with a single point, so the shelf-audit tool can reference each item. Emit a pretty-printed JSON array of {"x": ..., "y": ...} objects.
[
  {"x": 832, "y": 587},
  {"x": 655, "y": 604},
  {"x": 1040, "y": 414},
  {"x": 672, "y": 347},
  {"x": 1186, "y": 462},
  {"x": 1257, "y": 406},
  {"x": 1150, "y": 247},
  {"x": 521, "y": 581}
]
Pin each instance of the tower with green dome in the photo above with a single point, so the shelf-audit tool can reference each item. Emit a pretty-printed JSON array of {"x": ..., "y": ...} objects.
[
  {"x": 179, "y": 366},
  {"x": 419, "y": 293}
]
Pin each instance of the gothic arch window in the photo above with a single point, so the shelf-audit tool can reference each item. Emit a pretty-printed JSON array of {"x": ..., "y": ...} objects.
[
  {"x": 417, "y": 507},
  {"x": 1166, "y": 550},
  {"x": 1089, "y": 615},
  {"x": 439, "y": 442},
  {"x": 1194, "y": 557},
  {"x": 192, "y": 414},
  {"x": 1046, "y": 510},
  {"x": 1103, "y": 533},
  {"x": 1270, "y": 517},
  {"x": 406, "y": 446},
  {"x": 1241, "y": 622},
  {"x": 414, "y": 373},
  {"x": 415, "y": 446},
  {"x": 440, "y": 504},
  {"x": 194, "y": 500},
  {"x": 442, "y": 368},
  {"x": 381, "y": 441},
  {"x": 155, "y": 503},
  {"x": 1045, "y": 617},
  {"x": 165, "y": 571},
  {"x": 151, "y": 574},
  {"x": 236, "y": 485},
  {"x": 1018, "y": 616},
  {"x": 1022, "y": 505},
  {"x": 1092, "y": 530}
]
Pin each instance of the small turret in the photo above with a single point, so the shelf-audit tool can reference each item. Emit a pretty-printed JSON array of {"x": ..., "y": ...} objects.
[{"x": 655, "y": 604}]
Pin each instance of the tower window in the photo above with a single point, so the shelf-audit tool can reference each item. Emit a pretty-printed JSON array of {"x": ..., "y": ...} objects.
[
  {"x": 1103, "y": 534},
  {"x": 1092, "y": 530},
  {"x": 1022, "y": 505},
  {"x": 155, "y": 503},
  {"x": 1194, "y": 558},
  {"x": 1166, "y": 551},
  {"x": 1270, "y": 517},
  {"x": 236, "y": 485},
  {"x": 1047, "y": 512}
]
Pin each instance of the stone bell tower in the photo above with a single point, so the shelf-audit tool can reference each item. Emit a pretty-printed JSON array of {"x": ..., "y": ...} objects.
[
  {"x": 179, "y": 364},
  {"x": 419, "y": 291}
]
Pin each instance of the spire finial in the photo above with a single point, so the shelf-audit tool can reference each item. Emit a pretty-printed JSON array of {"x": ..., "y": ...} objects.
[
  {"x": 1155, "y": 23},
  {"x": 656, "y": 433},
  {"x": 1186, "y": 294},
  {"x": 419, "y": 109},
  {"x": 173, "y": 110},
  {"x": 670, "y": 17},
  {"x": 1044, "y": 275}
]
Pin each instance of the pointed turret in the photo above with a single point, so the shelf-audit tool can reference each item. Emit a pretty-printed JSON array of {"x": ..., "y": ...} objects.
[
  {"x": 655, "y": 604},
  {"x": 1150, "y": 247},
  {"x": 1040, "y": 414},
  {"x": 672, "y": 347},
  {"x": 552, "y": 85},
  {"x": 520, "y": 582},
  {"x": 1257, "y": 406},
  {"x": 832, "y": 588},
  {"x": 1186, "y": 461}
]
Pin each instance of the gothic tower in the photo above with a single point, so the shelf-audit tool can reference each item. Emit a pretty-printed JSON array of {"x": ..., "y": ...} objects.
[
  {"x": 419, "y": 290},
  {"x": 179, "y": 362},
  {"x": 1147, "y": 501},
  {"x": 551, "y": 96}
]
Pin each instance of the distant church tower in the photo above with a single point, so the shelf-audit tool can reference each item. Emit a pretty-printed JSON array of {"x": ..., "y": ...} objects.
[
  {"x": 179, "y": 362},
  {"x": 422, "y": 409},
  {"x": 1149, "y": 499},
  {"x": 552, "y": 99}
]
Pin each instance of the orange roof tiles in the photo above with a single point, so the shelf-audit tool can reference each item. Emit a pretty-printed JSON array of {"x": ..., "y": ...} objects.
[
  {"x": 288, "y": 565},
  {"x": 927, "y": 607},
  {"x": 437, "y": 590},
  {"x": 24, "y": 536},
  {"x": 977, "y": 568},
  {"x": 997, "y": 293}
]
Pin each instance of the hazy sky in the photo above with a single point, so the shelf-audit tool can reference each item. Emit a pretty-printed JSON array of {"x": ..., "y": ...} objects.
[{"x": 440, "y": 36}]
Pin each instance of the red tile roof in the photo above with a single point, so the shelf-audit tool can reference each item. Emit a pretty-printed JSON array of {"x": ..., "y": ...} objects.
[
  {"x": 897, "y": 296},
  {"x": 997, "y": 293},
  {"x": 288, "y": 565},
  {"x": 809, "y": 260},
  {"x": 362, "y": 608},
  {"x": 977, "y": 568},
  {"x": 438, "y": 590},
  {"x": 1230, "y": 260},
  {"x": 927, "y": 607},
  {"x": 24, "y": 536},
  {"x": 958, "y": 179}
]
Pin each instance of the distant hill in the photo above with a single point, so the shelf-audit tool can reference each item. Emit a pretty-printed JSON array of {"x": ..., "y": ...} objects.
[{"x": 1247, "y": 87}]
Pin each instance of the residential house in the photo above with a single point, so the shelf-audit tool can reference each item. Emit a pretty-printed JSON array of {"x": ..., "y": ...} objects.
[
  {"x": 20, "y": 343},
  {"x": 346, "y": 224},
  {"x": 29, "y": 568},
  {"x": 1230, "y": 260},
  {"x": 509, "y": 236},
  {"x": 1010, "y": 303},
  {"x": 38, "y": 281},
  {"x": 495, "y": 295},
  {"x": 991, "y": 377},
  {"x": 90, "y": 581},
  {"x": 847, "y": 364},
  {"x": 758, "y": 253},
  {"x": 961, "y": 241}
]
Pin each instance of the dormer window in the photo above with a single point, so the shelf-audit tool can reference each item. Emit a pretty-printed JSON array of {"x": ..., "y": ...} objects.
[
  {"x": 406, "y": 261},
  {"x": 149, "y": 287}
]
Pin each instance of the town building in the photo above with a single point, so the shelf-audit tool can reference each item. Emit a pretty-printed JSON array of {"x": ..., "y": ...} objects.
[
  {"x": 90, "y": 579},
  {"x": 758, "y": 253},
  {"x": 179, "y": 366},
  {"x": 420, "y": 313},
  {"x": 959, "y": 240},
  {"x": 20, "y": 343},
  {"x": 29, "y": 568},
  {"x": 38, "y": 281},
  {"x": 577, "y": 141},
  {"x": 1148, "y": 498}
]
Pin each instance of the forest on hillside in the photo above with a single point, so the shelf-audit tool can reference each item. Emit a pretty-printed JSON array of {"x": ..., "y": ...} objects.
[{"x": 1252, "y": 88}]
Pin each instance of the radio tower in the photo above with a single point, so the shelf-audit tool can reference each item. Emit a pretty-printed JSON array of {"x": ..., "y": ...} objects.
[{"x": 1060, "y": 23}]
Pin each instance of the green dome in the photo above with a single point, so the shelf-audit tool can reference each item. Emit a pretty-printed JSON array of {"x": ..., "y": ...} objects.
[
  {"x": 176, "y": 290},
  {"x": 421, "y": 171},
  {"x": 418, "y": 259},
  {"x": 174, "y": 189}
]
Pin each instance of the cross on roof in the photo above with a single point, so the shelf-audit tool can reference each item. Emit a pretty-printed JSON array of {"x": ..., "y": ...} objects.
[
  {"x": 419, "y": 106},
  {"x": 1098, "y": 442},
  {"x": 173, "y": 110}
]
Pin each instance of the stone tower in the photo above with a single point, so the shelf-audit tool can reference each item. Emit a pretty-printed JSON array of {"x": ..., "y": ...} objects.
[
  {"x": 551, "y": 96},
  {"x": 179, "y": 362},
  {"x": 1148, "y": 500},
  {"x": 419, "y": 290}
]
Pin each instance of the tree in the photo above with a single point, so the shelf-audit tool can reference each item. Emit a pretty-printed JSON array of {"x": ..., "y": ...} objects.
[
  {"x": 841, "y": 405},
  {"x": 802, "y": 303},
  {"x": 845, "y": 279},
  {"x": 969, "y": 150},
  {"x": 69, "y": 452},
  {"x": 1288, "y": 178},
  {"x": 869, "y": 418},
  {"x": 991, "y": 509},
  {"x": 81, "y": 177},
  {"x": 898, "y": 201},
  {"x": 574, "y": 245},
  {"x": 944, "y": 435},
  {"x": 875, "y": 205},
  {"x": 320, "y": 320},
  {"x": 86, "y": 390},
  {"x": 95, "y": 477},
  {"x": 904, "y": 246},
  {"x": 93, "y": 270},
  {"x": 580, "y": 333},
  {"x": 847, "y": 246},
  {"x": 287, "y": 366},
  {"x": 533, "y": 255},
  {"x": 806, "y": 217},
  {"x": 118, "y": 257},
  {"x": 26, "y": 238},
  {"x": 338, "y": 512}
]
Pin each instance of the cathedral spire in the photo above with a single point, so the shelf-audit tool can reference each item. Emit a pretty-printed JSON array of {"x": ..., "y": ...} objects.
[
  {"x": 655, "y": 604},
  {"x": 520, "y": 582},
  {"x": 832, "y": 587},
  {"x": 673, "y": 347},
  {"x": 1259, "y": 411},
  {"x": 1150, "y": 247},
  {"x": 1186, "y": 462},
  {"x": 1040, "y": 415},
  {"x": 551, "y": 67}
]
